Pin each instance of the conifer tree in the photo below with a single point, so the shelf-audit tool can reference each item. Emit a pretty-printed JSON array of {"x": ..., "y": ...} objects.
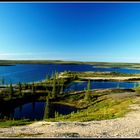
[
  {"x": 11, "y": 91},
  {"x": 54, "y": 88},
  {"x": 118, "y": 85},
  {"x": 19, "y": 88},
  {"x": 88, "y": 85},
  {"x": 135, "y": 85},
  {"x": 87, "y": 92},
  {"x": 2, "y": 81},
  {"x": 56, "y": 114},
  {"x": 33, "y": 88},
  {"x": 46, "y": 111},
  {"x": 47, "y": 77},
  {"x": 62, "y": 86}
]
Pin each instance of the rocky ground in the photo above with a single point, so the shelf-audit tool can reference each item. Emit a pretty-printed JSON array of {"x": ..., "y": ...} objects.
[{"x": 125, "y": 127}]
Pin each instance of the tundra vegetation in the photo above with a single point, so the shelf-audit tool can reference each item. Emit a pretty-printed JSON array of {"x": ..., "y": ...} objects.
[
  {"x": 97, "y": 64},
  {"x": 90, "y": 104},
  {"x": 97, "y": 74}
]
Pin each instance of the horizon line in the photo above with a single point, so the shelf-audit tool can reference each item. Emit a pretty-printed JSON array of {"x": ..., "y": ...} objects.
[{"x": 66, "y": 60}]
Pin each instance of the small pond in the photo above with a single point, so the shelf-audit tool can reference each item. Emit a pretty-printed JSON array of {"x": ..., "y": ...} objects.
[{"x": 35, "y": 110}]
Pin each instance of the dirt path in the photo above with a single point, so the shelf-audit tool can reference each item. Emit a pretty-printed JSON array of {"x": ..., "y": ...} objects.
[{"x": 128, "y": 126}]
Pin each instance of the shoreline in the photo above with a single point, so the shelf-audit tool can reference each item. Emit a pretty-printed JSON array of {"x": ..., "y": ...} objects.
[
  {"x": 124, "y": 127},
  {"x": 111, "y": 78}
]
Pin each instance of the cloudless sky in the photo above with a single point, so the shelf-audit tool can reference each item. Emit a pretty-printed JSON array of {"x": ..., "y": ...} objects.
[{"x": 70, "y": 31}]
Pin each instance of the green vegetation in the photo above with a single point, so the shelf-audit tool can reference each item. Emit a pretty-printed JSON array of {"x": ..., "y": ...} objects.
[
  {"x": 20, "y": 89},
  {"x": 118, "y": 65},
  {"x": 33, "y": 88},
  {"x": 137, "y": 88},
  {"x": 98, "y": 64},
  {"x": 62, "y": 86},
  {"x": 11, "y": 91},
  {"x": 8, "y": 123},
  {"x": 90, "y": 104},
  {"x": 54, "y": 93},
  {"x": 46, "y": 112},
  {"x": 97, "y": 74},
  {"x": 101, "y": 107},
  {"x": 2, "y": 81},
  {"x": 87, "y": 92},
  {"x": 13, "y": 62}
]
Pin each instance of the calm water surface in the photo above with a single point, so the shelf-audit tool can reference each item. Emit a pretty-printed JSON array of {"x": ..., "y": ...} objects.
[
  {"x": 35, "y": 110},
  {"x": 78, "y": 86},
  {"x": 36, "y": 72}
]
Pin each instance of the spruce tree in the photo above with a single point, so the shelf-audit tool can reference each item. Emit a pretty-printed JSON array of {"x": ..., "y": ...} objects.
[
  {"x": 135, "y": 85},
  {"x": 46, "y": 111},
  {"x": 62, "y": 86},
  {"x": 11, "y": 91},
  {"x": 54, "y": 88},
  {"x": 33, "y": 88},
  {"x": 87, "y": 92},
  {"x": 118, "y": 85},
  {"x": 2, "y": 81},
  {"x": 47, "y": 77},
  {"x": 56, "y": 74},
  {"x": 20, "y": 88},
  {"x": 56, "y": 114},
  {"x": 88, "y": 85}
]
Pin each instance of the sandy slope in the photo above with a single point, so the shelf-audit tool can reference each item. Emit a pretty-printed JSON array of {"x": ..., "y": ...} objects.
[{"x": 128, "y": 126}]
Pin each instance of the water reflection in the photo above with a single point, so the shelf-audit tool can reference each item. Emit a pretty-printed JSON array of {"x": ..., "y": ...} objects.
[
  {"x": 78, "y": 86},
  {"x": 35, "y": 110}
]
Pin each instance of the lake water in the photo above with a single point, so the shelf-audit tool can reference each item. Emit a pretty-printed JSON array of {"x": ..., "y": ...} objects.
[
  {"x": 37, "y": 72},
  {"x": 35, "y": 110},
  {"x": 78, "y": 86}
]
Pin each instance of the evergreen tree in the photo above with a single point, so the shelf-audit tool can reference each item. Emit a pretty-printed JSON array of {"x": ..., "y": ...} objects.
[
  {"x": 33, "y": 88},
  {"x": 62, "y": 86},
  {"x": 7, "y": 85},
  {"x": 57, "y": 77},
  {"x": 52, "y": 76},
  {"x": 47, "y": 77},
  {"x": 56, "y": 114},
  {"x": 135, "y": 85},
  {"x": 2, "y": 81},
  {"x": 54, "y": 88},
  {"x": 11, "y": 91},
  {"x": 87, "y": 92},
  {"x": 25, "y": 86},
  {"x": 88, "y": 85},
  {"x": 20, "y": 88},
  {"x": 56, "y": 74},
  {"x": 118, "y": 85},
  {"x": 46, "y": 111},
  {"x": 75, "y": 77},
  {"x": 49, "y": 94},
  {"x": 138, "y": 84}
]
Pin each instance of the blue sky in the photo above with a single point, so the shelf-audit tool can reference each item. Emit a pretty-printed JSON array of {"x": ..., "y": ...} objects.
[{"x": 70, "y": 31}]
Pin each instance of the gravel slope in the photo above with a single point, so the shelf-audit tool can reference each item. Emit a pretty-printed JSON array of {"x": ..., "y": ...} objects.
[{"x": 125, "y": 127}]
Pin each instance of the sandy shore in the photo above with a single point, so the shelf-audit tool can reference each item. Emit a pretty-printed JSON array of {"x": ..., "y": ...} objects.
[
  {"x": 125, "y": 127},
  {"x": 112, "y": 78},
  {"x": 115, "y": 78}
]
